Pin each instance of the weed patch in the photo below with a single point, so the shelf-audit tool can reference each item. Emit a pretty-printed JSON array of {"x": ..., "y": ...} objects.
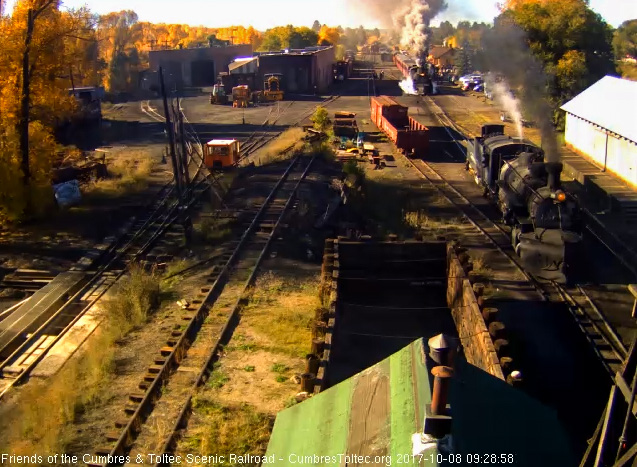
[
  {"x": 229, "y": 429},
  {"x": 286, "y": 145},
  {"x": 45, "y": 410}
]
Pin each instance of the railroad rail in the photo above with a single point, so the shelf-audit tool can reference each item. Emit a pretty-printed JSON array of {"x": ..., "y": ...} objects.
[
  {"x": 604, "y": 340},
  {"x": 139, "y": 237},
  {"x": 626, "y": 255},
  {"x": 228, "y": 285},
  {"x": 131, "y": 247}
]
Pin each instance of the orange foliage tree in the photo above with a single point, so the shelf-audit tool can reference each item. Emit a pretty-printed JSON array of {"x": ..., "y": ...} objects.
[{"x": 39, "y": 46}]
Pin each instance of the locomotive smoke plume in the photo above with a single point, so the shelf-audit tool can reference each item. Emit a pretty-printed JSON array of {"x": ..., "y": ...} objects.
[
  {"x": 505, "y": 98},
  {"x": 413, "y": 19},
  {"x": 507, "y": 53}
]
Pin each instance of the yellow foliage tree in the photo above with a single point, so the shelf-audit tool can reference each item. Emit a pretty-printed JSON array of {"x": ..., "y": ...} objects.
[
  {"x": 34, "y": 70},
  {"x": 328, "y": 35}
]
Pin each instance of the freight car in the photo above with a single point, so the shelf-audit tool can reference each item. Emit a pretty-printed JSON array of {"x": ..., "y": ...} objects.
[
  {"x": 411, "y": 137},
  {"x": 546, "y": 222}
]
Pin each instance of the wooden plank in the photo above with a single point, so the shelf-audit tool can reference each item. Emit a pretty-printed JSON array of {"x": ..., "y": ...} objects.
[{"x": 610, "y": 408}]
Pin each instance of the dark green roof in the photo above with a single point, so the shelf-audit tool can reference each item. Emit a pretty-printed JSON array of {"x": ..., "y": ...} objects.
[{"x": 377, "y": 412}]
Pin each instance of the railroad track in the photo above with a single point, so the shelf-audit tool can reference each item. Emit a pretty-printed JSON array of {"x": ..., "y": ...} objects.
[
  {"x": 142, "y": 233},
  {"x": 260, "y": 138},
  {"x": 604, "y": 340},
  {"x": 626, "y": 255},
  {"x": 139, "y": 237},
  {"x": 208, "y": 320}
]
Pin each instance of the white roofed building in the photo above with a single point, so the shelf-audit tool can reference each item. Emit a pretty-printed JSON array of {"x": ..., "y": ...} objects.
[{"x": 601, "y": 125}]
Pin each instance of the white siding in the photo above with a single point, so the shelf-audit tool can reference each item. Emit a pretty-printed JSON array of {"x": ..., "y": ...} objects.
[
  {"x": 608, "y": 151},
  {"x": 622, "y": 159}
]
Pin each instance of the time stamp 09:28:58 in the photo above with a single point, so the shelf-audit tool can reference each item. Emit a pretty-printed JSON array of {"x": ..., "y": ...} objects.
[{"x": 461, "y": 459}]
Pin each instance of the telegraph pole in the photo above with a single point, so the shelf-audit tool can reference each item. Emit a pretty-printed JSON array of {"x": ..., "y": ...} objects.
[
  {"x": 171, "y": 135},
  {"x": 184, "y": 152}
]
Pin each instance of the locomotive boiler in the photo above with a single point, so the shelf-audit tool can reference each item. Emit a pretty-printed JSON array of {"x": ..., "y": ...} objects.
[{"x": 545, "y": 221}]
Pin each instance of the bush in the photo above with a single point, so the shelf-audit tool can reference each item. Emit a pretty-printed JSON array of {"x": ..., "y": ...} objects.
[
  {"x": 133, "y": 300},
  {"x": 320, "y": 119}
]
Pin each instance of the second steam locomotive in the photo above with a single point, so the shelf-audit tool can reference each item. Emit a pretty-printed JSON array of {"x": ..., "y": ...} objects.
[{"x": 546, "y": 222}]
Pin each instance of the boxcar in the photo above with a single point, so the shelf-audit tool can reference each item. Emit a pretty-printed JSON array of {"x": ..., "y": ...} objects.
[{"x": 410, "y": 136}]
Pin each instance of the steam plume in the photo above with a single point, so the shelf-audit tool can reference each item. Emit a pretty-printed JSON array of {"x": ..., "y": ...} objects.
[
  {"x": 408, "y": 87},
  {"x": 507, "y": 53},
  {"x": 412, "y": 18},
  {"x": 504, "y": 97}
]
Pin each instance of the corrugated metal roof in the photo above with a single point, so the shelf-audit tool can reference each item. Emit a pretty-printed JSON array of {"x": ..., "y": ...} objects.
[
  {"x": 610, "y": 103},
  {"x": 380, "y": 410},
  {"x": 249, "y": 63},
  {"x": 220, "y": 142}
]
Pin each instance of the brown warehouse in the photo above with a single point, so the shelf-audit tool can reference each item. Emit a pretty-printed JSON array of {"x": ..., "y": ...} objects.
[
  {"x": 303, "y": 70},
  {"x": 196, "y": 67}
]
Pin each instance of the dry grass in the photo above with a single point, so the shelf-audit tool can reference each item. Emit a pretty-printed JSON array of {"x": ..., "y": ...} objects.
[
  {"x": 44, "y": 411},
  {"x": 126, "y": 175},
  {"x": 133, "y": 300},
  {"x": 481, "y": 268},
  {"x": 429, "y": 226},
  {"x": 210, "y": 229},
  {"x": 281, "y": 314},
  {"x": 229, "y": 429},
  {"x": 279, "y": 148}
]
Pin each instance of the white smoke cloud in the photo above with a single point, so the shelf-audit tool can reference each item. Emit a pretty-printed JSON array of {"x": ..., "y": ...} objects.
[
  {"x": 505, "y": 98},
  {"x": 408, "y": 87},
  {"x": 412, "y": 18}
]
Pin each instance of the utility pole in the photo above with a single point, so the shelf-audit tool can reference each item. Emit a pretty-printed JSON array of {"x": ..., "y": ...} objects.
[
  {"x": 186, "y": 220},
  {"x": 180, "y": 169},
  {"x": 184, "y": 152},
  {"x": 171, "y": 135}
]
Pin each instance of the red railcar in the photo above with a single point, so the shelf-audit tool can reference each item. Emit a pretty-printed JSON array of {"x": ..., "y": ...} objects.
[
  {"x": 404, "y": 63},
  {"x": 410, "y": 136}
]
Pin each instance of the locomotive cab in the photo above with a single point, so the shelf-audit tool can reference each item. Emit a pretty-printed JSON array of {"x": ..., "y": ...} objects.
[{"x": 221, "y": 153}]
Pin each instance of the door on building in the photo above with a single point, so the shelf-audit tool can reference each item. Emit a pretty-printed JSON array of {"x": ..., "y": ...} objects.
[{"x": 203, "y": 73}]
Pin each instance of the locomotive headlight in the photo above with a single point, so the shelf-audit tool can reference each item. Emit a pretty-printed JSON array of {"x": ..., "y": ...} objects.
[{"x": 559, "y": 196}]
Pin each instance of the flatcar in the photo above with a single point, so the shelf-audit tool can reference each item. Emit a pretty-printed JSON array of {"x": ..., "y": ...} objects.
[
  {"x": 546, "y": 221},
  {"x": 410, "y": 136},
  {"x": 221, "y": 153}
]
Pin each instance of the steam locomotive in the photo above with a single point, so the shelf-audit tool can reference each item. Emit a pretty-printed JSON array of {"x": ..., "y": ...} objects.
[
  {"x": 419, "y": 75},
  {"x": 546, "y": 221}
]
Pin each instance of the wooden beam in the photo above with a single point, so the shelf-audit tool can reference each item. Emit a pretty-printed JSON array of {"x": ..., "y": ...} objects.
[{"x": 610, "y": 408}]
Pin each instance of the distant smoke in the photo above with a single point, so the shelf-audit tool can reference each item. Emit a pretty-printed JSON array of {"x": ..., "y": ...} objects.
[
  {"x": 413, "y": 18},
  {"x": 507, "y": 53},
  {"x": 505, "y": 98}
]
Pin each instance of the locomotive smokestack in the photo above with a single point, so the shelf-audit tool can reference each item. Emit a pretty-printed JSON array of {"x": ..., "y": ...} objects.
[{"x": 554, "y": 169}]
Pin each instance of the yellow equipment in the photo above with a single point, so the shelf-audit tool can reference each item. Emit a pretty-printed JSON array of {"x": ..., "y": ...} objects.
[
  {"x": 241, "y": 96},
  {"x": 218, "y": 95},
  {"x": 220, "y": 153},
  {"x": 272, "y": 87}
]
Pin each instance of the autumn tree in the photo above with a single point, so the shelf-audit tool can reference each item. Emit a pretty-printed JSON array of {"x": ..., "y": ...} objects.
[
  {"x": 283, "y": 37},
  {"x": 37, "y": 44},
  {"x": 572, "y": 42},
  {"x": 625, "y": 39},
  {"x": 328, "y": 36}
]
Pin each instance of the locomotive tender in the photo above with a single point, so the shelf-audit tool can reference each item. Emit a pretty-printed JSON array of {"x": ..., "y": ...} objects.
[{"x": 546, "y": 221}]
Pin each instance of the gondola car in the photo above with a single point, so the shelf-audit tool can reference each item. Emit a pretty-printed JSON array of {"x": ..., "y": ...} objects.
[
  {"x": 410, "y": 136},
  {"x": 546, "y": 221}
]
